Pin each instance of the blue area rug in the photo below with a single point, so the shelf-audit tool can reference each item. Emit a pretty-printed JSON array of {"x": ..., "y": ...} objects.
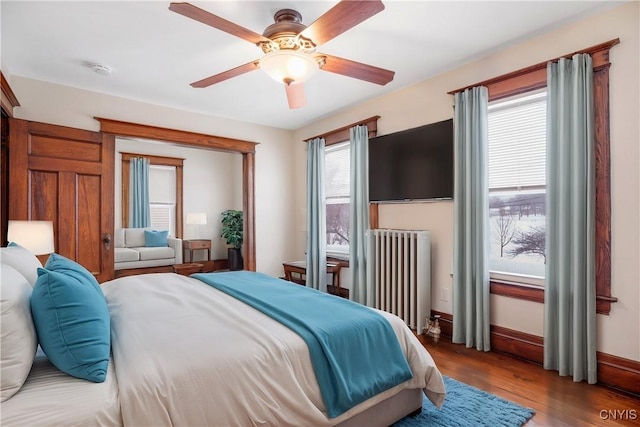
[{"x": 466, "y": 406}]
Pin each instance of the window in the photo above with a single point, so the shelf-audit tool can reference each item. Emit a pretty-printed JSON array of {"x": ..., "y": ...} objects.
[
  {"x": 517, "y": 138},
  {"x": 337, "y": 193},
  {"x": 533, "y": 78},
  {"x": 165, "y": 191},
  {"x": 162, "y": 197},
  {"x": 337, "y": 185}
]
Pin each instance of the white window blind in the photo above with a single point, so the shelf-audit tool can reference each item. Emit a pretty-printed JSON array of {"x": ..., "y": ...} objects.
[
  {"x": 162, "y": 197},
  {"x": 162, "y": 184},
  {"x": 337, "y": 171},
  {"x": 517, "y": 211},
  {"x": 162, "y": 216},
  {"x": 337, "y": 191},
  {"x": 517, "y": 134}
]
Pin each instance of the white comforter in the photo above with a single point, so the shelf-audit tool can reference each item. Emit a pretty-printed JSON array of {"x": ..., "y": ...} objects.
[{"x": 187, "y": 354}]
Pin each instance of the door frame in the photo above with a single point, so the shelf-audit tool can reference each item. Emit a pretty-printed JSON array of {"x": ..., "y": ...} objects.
[{"x": 117, "y": 128}]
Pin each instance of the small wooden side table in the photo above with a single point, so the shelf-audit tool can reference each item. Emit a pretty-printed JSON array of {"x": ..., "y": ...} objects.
[
  {"x": 296, "y": 272},
  {"x": 195, "y": 245},
  {"x": 187, "y": 269}
]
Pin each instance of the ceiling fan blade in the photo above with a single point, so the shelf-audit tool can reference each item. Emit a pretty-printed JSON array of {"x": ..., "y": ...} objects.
[
  {"x": 193, "y": 12},
  {"x": 357, "y": 70},
  {"x": 343, "y": 16},
  {"x": 226, "y": 75},
  {"x": 295, "y": 95}
]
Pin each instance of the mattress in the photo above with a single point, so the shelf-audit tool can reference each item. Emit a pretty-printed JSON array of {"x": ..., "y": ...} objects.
[{"x": 51, "y": 397}]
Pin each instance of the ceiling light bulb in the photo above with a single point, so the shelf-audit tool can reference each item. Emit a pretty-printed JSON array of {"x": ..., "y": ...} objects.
[{"x": 289, "y": 65}]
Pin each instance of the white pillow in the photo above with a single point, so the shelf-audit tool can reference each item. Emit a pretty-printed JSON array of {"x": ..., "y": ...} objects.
[
  {"x": 22, "y": 260},
  {"x": 134, "y": 237},
  {"x": 119, "y": 238},
  {"x": 18, "y": 335}
]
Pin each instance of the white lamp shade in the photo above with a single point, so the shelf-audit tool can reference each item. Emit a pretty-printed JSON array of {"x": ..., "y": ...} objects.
[
  {"x": 35, "y": 236},
  {"x": 285, "y": 64},
  {"x": 197, "y": 218}
]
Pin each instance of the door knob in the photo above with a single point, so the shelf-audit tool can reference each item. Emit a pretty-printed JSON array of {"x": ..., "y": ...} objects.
[{"x": 107, "y": 241}]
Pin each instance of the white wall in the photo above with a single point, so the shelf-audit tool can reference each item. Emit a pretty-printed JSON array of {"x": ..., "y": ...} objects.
[
  {"x": 428, "y": 102},
  {"x": 66, "y": 106}
]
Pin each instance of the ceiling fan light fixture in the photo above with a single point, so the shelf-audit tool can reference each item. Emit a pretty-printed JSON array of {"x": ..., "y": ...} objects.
[{"x": 289, "y": 65}]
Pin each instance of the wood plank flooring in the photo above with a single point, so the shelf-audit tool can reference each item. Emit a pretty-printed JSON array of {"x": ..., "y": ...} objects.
[{"x": 558, "y": 401}]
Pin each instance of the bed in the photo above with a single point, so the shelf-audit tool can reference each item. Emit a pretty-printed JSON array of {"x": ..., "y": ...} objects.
[{"x": 186, "y": 353}]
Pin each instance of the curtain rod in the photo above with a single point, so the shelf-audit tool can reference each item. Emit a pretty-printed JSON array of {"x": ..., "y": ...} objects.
[
  {"x": 590, "y": 50},
  {"x": 361, "y": 122}
]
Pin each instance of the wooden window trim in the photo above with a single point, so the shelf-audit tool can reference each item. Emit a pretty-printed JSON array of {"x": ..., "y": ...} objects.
[
  {"x": 517, "y": 290},
  {"x": 158, "y": 161},
  {"x": 339, "y": 135},
  {"x": 531, "y": 292},
  {"x": 535, "y": 77}
]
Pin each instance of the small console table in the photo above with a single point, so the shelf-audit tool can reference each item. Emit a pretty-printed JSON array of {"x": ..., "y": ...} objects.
[
  {"x": 296, "y": 272},
  {"x": 195, "y": 245}
]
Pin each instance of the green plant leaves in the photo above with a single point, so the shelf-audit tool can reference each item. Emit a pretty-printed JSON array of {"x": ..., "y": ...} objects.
[{"x": 232, "y": 227}]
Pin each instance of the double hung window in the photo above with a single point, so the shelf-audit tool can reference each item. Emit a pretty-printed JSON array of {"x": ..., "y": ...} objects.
[
  {"x": 517, "y": 211},
  {"x": 337, "y": 193},
  {"x": 162, "y": 197}
]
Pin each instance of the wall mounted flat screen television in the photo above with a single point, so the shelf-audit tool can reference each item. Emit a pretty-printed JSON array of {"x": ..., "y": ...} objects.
[{"x": 412, "y": 165}]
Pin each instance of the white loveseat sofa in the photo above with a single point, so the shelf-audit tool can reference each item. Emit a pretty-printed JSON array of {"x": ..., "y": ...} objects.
[{"x": 131, "y": 252}]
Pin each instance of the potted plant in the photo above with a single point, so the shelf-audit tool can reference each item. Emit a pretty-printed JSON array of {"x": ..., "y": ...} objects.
[{"x": 232, "y": 229}]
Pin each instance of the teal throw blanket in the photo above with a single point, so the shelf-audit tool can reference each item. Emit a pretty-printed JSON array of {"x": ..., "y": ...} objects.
[{"x": 354, "y": 350}]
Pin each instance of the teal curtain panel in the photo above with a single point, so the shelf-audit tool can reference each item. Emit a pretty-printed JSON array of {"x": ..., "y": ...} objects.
[
  {"x": 570, "y": 294},
  {"x": 316, "y": 216},
  {"x": 139, "y": 209},
  {"x": 362, "y": 290},
  {"x": 471, "y": 220}
]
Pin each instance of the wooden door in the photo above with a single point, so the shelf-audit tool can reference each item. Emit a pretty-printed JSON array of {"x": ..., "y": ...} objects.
[
  {"x": 4, "y": 177},
  {"x": 65, "y": 175}
]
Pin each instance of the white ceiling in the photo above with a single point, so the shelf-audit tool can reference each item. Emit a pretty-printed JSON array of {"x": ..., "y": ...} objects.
[{"x": 155, "y": 53}]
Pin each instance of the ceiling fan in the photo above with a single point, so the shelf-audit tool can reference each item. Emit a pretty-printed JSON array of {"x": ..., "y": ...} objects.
[{"x": 290, "y": 46}]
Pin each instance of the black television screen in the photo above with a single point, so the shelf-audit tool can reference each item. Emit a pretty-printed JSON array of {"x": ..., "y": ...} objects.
[{"x": 414, "y": 164}]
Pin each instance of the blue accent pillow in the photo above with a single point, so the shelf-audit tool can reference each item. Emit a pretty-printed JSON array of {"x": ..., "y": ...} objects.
[
  {"x": 57, "y": 262},
  {"x": 155, "y": 239},
  {"x": 72, "y": 321}
]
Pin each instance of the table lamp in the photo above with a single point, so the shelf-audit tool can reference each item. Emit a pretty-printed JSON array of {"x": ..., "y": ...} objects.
[
  {"x": 197, "y": 219},
  {"x": 35, "y": 236}
]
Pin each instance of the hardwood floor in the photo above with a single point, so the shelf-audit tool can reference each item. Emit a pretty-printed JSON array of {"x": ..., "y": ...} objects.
[{"x": 558, "y": 401}]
